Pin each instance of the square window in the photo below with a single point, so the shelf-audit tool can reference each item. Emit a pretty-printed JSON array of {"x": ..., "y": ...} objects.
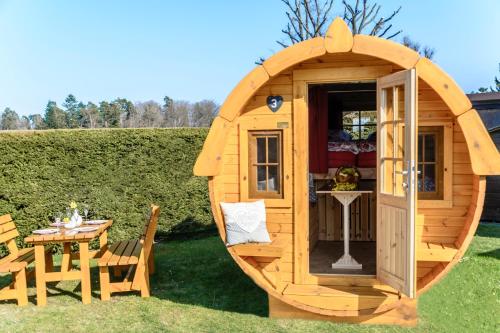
[
  {"x": 265, "y": 165},
  {"x": 359, "y": 124},
  {"x": 430, "y": 162}
]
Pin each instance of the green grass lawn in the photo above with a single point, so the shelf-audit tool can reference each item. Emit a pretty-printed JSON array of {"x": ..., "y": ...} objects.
[{"x": 198, "y": 288}]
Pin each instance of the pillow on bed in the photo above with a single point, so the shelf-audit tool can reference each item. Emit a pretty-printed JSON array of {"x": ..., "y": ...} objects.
[
  {"x": 245, "y": 222},
  {"x": 367, "y": 146}
]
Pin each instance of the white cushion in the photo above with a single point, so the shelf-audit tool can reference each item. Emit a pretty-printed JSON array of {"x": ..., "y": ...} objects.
[{"x": 245, "y": 222}]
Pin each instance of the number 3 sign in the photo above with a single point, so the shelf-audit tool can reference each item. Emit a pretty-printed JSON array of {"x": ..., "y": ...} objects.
[{"x": 274, "y": 102}]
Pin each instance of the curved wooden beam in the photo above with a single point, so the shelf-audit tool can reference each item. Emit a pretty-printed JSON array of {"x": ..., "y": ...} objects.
[
  {"x": 484, "y": 155},
  {"x": 338, "y": 37},
  {"x": 386, "y": 50},
  {"x": 209, "y": 162},
  {"x": 242, "y": 93},
  {"x": 294, "y": 55},
  {"x": 444, "y": 86},
  {"x": 466, "y": 236}
]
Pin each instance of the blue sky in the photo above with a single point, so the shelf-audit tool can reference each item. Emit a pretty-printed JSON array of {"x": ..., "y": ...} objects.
[{"x": 193, "y": 50}]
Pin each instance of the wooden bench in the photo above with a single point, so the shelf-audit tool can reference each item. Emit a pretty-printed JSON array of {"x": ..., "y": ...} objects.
[
  {"x": 434, "y": 251},
  {"x": 440, "y": 252},
  {"x": 275, "y": 250},
  {"x": 16, "y": 263},
  {"x": 136, "y": 256}
]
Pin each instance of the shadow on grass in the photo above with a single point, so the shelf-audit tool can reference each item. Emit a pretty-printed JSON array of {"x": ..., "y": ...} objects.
[
  {"x": 197, "y": 272},
  {"x": 489, "y": 230},
  {"x": 189, "y": 229},
  {"x": 203, "y": 273},
  {"x": 493, "y": 254}
]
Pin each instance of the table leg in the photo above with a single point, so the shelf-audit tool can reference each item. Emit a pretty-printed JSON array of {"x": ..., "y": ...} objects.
[
  {"x": 85, "y": 271},
  {"x": 49, "y": 261},
  {"x": 103, "y": 243},
  {"x": 66, "y": 263},
  {"x": 346, "y": 261},
  {"x": 41, "y": 284},
  {"x": 347, "y": 227}
]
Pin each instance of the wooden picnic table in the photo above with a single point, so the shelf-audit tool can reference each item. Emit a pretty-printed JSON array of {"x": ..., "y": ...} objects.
[{"x": 47, "y": 274}]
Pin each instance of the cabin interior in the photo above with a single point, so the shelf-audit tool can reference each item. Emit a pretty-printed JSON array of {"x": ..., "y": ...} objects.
[{"x": 342, "y": 133}]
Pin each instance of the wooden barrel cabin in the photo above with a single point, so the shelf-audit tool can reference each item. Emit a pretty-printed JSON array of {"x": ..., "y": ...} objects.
[{"x": 357, "y": 101}]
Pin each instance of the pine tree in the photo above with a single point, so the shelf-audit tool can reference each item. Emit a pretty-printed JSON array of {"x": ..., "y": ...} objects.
[{"x": 55, "y": 117}]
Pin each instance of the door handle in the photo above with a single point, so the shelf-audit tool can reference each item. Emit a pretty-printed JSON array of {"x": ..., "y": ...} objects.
[{"x": 405, "y": 172}]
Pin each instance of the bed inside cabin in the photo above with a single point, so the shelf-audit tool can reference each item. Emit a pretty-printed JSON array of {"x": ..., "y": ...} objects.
[{"x": 342, "y": 133}]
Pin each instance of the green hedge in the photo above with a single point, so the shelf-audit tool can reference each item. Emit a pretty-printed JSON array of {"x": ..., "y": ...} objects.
[{"x": 118, "y": 173}]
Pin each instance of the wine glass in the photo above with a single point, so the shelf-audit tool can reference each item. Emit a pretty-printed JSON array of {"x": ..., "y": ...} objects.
[
  {"x": 86, "y": 211},
  {"x": 58, "y": 220}
]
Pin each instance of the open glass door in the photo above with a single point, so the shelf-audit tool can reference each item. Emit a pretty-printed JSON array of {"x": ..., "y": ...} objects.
[{"x": 396, "y": 185}]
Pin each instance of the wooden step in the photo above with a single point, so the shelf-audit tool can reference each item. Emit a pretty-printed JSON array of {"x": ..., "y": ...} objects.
[
  {"x": 348, "y": 300},
  {"x": 440, "y": 252},
  {"x": 340, "y": 291}
]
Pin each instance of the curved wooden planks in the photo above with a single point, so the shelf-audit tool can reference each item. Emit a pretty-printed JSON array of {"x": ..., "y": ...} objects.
[
  {"x": 294, "y": 55},
  {"x": 463, "y": 241},
  {"x": 444, "y": 85},
  {"x": 484, "y": 155},
  {"x": 338, "y": 37},
  {"x": 209, "y": 162},
  {"x": 385, "y": 49},
  {"x": 243, "y": 91}
]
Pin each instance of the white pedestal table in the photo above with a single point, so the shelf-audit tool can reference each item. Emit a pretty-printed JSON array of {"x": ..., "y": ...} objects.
[{"x": 346, "y": 198}]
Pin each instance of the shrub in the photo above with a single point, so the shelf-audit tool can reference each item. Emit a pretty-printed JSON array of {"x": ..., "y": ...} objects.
[{"x": 118, "y": 173}]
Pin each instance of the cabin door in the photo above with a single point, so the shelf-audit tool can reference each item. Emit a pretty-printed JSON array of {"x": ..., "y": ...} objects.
[{"x": 396, "y": 183}]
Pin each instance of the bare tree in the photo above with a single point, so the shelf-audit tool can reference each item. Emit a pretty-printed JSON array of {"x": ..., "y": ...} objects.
[
  {"x": 37, "y": 121},
  {"x": 9, "y": 120},
  {"x": 203, "y": 113},
  {"x": 177, "y": 114},
  {"x": 90, "y": 115},
  {"x": 306, "y": 19},
  {"x": 24, "y": 123},
  {"x": 363, "y": 18},
  {"x": 150, "y": 113},
  {"x": 425, "y": 51}
]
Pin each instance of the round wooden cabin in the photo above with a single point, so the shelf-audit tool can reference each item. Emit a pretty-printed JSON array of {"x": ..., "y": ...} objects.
[{"x": 424, "y": 175}]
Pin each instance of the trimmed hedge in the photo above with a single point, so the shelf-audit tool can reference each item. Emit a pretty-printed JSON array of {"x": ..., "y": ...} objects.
[{"x": 118, "y": 173}]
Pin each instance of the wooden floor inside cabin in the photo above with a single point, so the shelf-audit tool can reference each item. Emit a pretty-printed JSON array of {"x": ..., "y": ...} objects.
[{"x": 327, "y": 252}]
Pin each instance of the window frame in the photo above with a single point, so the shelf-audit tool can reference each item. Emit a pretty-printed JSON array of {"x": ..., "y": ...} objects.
[
  {"x": 438, "y": 163},
  {"x": 359, "y": 126},
  {"x": 266, "y": 124},
  {"x": 253, "y": 164},
  {"x": 428, "y": 201}
]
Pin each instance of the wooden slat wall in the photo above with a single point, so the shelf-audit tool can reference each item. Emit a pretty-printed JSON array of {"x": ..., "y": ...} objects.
[
  {"x": 443, "y": 225},
  {"x": 329, "y": 216},
  {"x": 279, "y": 220},
  {"x": 341, "y": 60},
  {"x": 313, "y": 226}
]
